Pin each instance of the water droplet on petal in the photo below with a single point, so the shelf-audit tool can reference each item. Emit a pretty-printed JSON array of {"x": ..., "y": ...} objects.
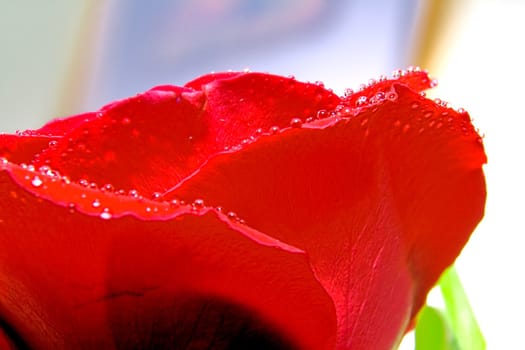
[
  {"x": 296, "y": 122},
  {"x": 133, "y": 193},
  {"x": 125, "y": 121},
  {"x": 274, "y": 130},
  {"x": 322, "y": 114},
  {"x": 348, "y": 92},
  {"x": 156, "y": 195},
  {"x": 37, "y": 182},
  {"x": 392, "y": 96},
  {"x": 53, "y": 143},
  {"x": 414, "y": 106},
  {"x": 106, "y": 215},
  {"x": 197, "y": 204},
  {"x": 107, "y": 188},
  {"x": 361, "y": 101},
  {"x": 95, "y": 203},
  {"x": 231, "y": 215}
]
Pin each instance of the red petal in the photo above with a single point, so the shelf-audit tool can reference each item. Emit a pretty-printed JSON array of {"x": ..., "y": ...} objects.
[
  {"x": 69, "y": 279},
  {"x": 63, "y": 126},
  {"x": 381, "y": 201},
  {"x": 152, "y": 141},
  {"x": 22, "y": 148}
]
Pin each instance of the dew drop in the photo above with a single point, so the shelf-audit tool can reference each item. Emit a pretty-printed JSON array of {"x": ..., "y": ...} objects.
[
  {"x": 106, "y": 215},
  {"x": 361, "y": 101},
  {"x": 414, "y": 106},
  {"x": 37, "y": 182},
  {"x": 156, "y": 195},
  {"x": 274, "y": 130},
  {"x": 398, "y": 73},
  {"x": 197, "y": 204},
  {"x": 392, "y": 96},
  {"x": 95, "y": 203},
  {"x": 231, "y": 215},
  {"x": 439, "y": 125},
  {"x": 427, "y": 115},
  {"x": 296, "y": 123},
  {"x": 348, "y": 92},
  {"x": 433, "y": 83},
  {"x": 125, "y": 121},
  {"x": 322, "y": 114},
  {"x": 107, "y": 188},
  {"x": 461, "y": 110},
  {"x": 380, "y": 96},
  {"x": 53, "y": 143},
  {"x": 133, "y": 193}
]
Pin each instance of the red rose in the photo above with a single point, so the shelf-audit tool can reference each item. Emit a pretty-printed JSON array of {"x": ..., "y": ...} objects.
[{"x": 314, "y": 221}]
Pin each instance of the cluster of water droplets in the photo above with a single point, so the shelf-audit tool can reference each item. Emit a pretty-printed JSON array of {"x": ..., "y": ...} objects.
[{"x": 153, "y": 205}]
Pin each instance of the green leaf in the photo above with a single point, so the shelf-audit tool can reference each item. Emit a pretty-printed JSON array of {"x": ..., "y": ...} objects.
[
  {"x": 433, "y": 331},
  {"x": 459, "y": 313}
]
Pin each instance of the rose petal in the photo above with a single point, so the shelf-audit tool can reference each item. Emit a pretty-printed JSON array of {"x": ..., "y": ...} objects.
[
  {"x": 71, "y": 279},
  {"x": 382, "y": 201},
  {"x": 152, "y": 141},
  {"x": 22, "y": 148}
]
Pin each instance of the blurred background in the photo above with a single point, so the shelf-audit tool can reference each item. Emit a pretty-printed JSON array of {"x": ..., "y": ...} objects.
[{"x": 63, "y": 57}]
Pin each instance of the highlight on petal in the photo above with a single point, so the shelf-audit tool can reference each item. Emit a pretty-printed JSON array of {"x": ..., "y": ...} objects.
[
  {"x": 382, "y": 199},
  {"x": 188, "y": 277}
]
